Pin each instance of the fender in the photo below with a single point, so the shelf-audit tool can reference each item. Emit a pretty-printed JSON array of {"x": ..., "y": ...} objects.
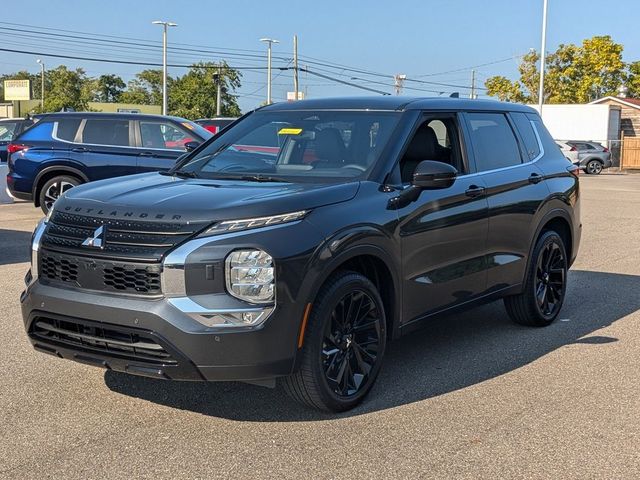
[
  {"x": 345, "y": 245},
  {"x": 57, "y": 168},
  {"x": 550, "y": 215}
]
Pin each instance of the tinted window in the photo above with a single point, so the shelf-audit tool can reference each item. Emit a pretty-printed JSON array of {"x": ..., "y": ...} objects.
[
  {"x": 66, "y": 128},
  {"x": 494, "y": 143},
  {"x": 531, "y": 147},
  {"x": 106, "y": 132},
  {"x": 163, "y": 135},
  {"x": 8, "y": 130}
]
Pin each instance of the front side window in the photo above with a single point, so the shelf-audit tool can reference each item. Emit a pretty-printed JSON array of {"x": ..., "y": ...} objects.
[
  {"x": 106, "y": 132},
  {"x": 298, "y": 145},
  {"x": 163, "y": 135},
  {"x": 494, "y": 143}
]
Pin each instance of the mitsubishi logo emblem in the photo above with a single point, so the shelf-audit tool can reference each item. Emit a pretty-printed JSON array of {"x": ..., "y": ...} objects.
[{"x": 98, "y": 239}]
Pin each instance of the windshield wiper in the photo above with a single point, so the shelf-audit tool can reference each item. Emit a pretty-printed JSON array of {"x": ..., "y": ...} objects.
[
  {"x": 180, "y": 173},
  {"x": 252, "y": 178}
]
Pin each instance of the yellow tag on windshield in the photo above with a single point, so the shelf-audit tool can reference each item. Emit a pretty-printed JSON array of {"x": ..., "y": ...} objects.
[{"x": 290, "y": 131}]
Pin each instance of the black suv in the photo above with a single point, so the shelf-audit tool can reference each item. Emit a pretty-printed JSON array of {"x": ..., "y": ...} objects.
[
  {"x": 63, "y": 150},
  {"x": 373, "y": 215}
]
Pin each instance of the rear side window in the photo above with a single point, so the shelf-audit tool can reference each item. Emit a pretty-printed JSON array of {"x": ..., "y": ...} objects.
[
  {"x": 106, "y": 132},
  {"x": 67, "y": 128},
  {"x": 525, "y": 129},
  {"x": 493, "y": 140}
]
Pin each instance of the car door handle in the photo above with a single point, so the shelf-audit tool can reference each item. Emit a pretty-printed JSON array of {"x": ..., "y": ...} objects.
[
  {"x": 474, "y": 191},
  {"x": 535, "y": 178},
  {"x": 79, "y": 149},
  {"x": 147, "y": 154}
]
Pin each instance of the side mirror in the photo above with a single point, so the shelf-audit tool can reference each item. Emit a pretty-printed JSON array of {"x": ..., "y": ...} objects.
[
  {"x": 191, "y": 146},
  {"x": 431, "y": 175}
]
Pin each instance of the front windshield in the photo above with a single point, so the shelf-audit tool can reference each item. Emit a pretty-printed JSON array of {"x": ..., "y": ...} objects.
[
  {"x": 295, "y": 146},
  {"x": 7, "y": 130}
]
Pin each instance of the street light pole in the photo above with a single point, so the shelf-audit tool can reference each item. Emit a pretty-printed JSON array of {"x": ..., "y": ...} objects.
[
  {"x": 164, "y": 60},
  {"x": 41, "y": 85},
  {"x": 543, "y": 49},
  {"x": 269, "y": 41}
]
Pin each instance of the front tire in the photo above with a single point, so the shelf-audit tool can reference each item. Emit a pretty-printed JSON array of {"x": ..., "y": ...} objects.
[
  {"x": 594, "y": 167},
  {"x": 541, "y": 300},
  {"x": 53, "y": 188},
  {"x": 344, "y": 345}
]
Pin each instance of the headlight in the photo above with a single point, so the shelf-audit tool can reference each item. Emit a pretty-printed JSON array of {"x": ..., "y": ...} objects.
[
  {"x": 250, "y": 276},
  {"x": 244, "y": 224}
]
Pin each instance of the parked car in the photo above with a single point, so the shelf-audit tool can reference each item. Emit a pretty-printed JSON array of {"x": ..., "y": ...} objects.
[
  {"x": 214, "y": 125},
  {"x": 568, "y": 151},
  {"x": 239, "y": 265},
  {"x": 593, "y": 157},
  {"x": 9, "y": 129},
  {"x": 64, "y": 150}
]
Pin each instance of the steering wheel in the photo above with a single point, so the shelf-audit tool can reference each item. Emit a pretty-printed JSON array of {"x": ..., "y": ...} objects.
[{"x": 356, "y": 166}]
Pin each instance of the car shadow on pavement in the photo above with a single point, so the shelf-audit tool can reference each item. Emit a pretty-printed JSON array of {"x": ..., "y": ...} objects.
[
  {"x": 14, "y": 246},
  {"x": 449, "y": 354}
]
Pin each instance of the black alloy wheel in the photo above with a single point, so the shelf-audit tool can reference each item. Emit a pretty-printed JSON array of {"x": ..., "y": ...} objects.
[
  {"x": 344, "y": 345},
  {"x": 351, "y": 343},
  {"x": 543, "y": 293},
  {"x": 550, "y": 279}
]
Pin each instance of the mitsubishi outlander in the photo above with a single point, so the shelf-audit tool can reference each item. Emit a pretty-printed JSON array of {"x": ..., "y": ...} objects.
[{"x": 298, "y": 263}]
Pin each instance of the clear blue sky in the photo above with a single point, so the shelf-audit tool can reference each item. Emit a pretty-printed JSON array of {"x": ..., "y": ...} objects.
[{"x": 412, "y": 37}]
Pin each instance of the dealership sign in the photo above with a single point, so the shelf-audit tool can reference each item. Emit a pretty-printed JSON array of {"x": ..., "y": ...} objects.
[{"x": 17, "y": 89}]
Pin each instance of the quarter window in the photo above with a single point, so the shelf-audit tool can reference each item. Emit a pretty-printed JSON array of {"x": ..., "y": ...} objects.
[
  {"x": 523, "y": 124},
  {"x": 494, "y": 143},
  {"x": 106, "y": 132},
  {"x": 163, "y": 135}
]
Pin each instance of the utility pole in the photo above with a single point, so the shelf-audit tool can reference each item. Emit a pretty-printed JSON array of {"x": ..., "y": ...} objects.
[
  {"x": 472, "y": 95},
  {"x": 219, "y": 93},
  {"x": 295, "y": 66},
  {"x": 41, "y": 85},
  {"x": 399, "y": 82},
  {"x": 164, "y": 60},
  {"x": 543, "y": 49},
  {"x": 269, "y": 42}
]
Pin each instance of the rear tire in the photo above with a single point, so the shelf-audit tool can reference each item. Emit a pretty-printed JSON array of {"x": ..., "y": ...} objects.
[
  {"x": 594, "y": 167},
  {"x": 344, "y": 345},
  {"x": 545, "y": 286},
  {"x": 52, "y": 189}
]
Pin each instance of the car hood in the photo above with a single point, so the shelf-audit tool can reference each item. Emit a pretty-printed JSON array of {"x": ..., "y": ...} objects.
[{"x": 156, "y": 197}]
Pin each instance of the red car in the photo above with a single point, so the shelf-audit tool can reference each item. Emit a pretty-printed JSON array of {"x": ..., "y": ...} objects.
[{"x": 214, "y": 125}]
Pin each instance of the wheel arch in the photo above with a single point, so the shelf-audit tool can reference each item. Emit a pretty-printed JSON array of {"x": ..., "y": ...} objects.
[{"x": 53, "y": 171}]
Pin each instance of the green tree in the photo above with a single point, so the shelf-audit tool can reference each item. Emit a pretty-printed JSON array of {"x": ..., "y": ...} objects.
[
  {"x": 574, "y": 74},
  {"x": 194, "y": 95},
  {"x": 633, "y": 80},
  {"x": 66, "y": 88},
  {"x": 145, "y": 88},
  {"x": 106, "y": 88}
]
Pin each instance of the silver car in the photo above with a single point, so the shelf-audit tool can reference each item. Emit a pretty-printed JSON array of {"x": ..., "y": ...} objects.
[
  {"x": 592, "y": 156},
  {"x": 569, "y": 151}
]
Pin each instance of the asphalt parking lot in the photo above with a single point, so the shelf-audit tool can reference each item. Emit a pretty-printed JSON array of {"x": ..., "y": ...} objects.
[{"x": 470, "y": 396}]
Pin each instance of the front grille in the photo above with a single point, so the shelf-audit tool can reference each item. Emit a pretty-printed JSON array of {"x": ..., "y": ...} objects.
[
  {"x": 124, "y": 240},
  {"x": 99, "y": 274},
  {"x": 106, "y": 339},
  {"x": 61, "y": 269}
]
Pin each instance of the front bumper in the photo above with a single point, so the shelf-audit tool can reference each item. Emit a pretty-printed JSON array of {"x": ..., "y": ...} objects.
[{"x": 153, "y": 338}]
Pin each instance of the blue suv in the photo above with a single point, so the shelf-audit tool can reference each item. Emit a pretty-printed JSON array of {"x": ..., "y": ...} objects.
[{"x": 63, "y": 150}]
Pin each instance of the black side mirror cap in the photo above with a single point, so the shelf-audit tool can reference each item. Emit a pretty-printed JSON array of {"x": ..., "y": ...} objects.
[
  {"x": 432, "y": 175},
  {"x": 191, "y": 146}
]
